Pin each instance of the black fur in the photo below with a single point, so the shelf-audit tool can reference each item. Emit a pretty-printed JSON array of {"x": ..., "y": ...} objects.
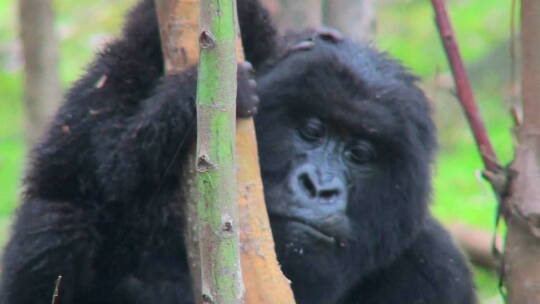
[{"x": 346, "y": 144}]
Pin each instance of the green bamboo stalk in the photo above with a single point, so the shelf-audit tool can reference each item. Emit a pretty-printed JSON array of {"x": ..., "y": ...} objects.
[{"x": 217, "y": 206}]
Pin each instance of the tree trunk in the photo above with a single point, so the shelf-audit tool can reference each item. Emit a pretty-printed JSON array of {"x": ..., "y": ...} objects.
[
  {"x": 263, "y": 279},
  {"x": 42, "y": 89},
  {"x": 522, "y": 205},
  {"x": 262, "y": 274},
  {"x": 217, "y": 208},
  {"x": 354, "y": 18}
]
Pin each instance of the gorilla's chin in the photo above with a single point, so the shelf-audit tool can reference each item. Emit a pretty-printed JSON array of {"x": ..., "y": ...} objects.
[{"x": 310, "y": 233}]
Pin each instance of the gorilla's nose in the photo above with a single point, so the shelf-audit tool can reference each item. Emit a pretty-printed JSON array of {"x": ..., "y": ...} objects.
[{"x": 311, "y": 185}]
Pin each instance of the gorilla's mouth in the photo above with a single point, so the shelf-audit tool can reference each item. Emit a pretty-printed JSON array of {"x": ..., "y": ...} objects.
[{"x": 307, "y": 227}]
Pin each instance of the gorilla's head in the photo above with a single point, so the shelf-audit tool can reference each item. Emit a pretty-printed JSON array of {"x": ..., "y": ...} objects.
[{"x": 346, "y": 142}]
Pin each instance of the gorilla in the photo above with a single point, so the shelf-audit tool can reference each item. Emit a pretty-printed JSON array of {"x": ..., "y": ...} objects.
[{"x": 346, "y": 145}]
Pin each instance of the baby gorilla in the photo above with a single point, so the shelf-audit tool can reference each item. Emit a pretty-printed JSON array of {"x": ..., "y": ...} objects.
[{"x": 346, "y": 144}]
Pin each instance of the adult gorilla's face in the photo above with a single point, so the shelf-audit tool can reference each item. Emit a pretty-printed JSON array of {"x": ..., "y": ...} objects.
[{"x": 346, "y": 142}]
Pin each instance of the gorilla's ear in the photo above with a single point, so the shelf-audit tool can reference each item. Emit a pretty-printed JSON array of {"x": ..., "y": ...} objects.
[{"x": 259, "y": 35}]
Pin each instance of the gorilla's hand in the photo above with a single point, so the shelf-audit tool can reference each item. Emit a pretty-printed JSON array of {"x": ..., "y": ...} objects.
[{"x": 247, "y": 99}]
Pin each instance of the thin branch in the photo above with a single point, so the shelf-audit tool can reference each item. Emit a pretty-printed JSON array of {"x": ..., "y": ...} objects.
[
  {"x": 217, "y": 208},
  {"x": 464, "y": 90}
]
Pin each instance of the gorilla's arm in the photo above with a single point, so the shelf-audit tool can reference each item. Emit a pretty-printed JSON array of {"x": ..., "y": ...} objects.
[{"x": 148, "y": 154}]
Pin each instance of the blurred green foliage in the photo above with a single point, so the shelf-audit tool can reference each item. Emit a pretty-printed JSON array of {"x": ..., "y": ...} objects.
[
  {"x": 83, "y": 26},
  {"x": 405, "y": 29}
]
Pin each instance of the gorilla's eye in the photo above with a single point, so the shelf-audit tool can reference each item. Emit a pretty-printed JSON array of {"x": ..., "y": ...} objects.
[
  {"x": 360, "y": 153},
  {"x": 313, "y": 130}
]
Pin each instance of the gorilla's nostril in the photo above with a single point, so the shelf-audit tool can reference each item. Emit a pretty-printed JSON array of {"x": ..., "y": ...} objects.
[
  {"x": 329, "y": 194},
  {"x": 307, "y": 185}
]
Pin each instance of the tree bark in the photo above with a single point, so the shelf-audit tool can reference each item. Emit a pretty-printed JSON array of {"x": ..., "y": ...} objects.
[
  {"x": 522, "y": 205},
  {"x": 42, "y": 88},
  {"x": 354, "y": 18},
  {"x": 179, "y": 29},
  {"x": 263, "y": 279}
]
